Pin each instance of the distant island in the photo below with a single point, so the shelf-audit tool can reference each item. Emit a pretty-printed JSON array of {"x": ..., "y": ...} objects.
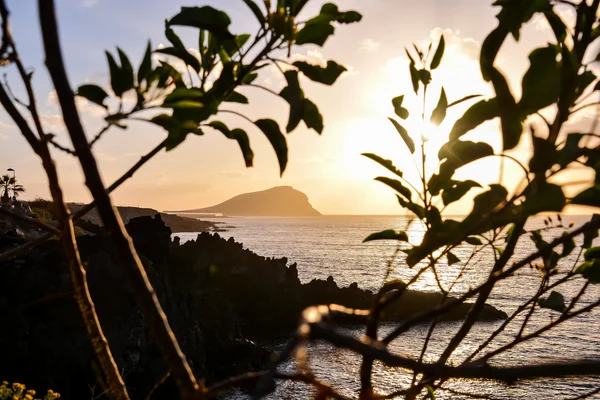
[{"x": 279, "y": 201}]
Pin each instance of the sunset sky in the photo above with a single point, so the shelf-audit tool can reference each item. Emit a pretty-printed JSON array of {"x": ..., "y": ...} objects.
[{"x": 329, "y": 169}]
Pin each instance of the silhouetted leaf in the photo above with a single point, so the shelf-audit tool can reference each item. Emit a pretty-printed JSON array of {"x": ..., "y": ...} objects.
[
  {"x": 425, "y": 76},
  {"x": 126, "y": 69},
  {"x": 557, "y": 25},
  {"x": 416, "y": 209},
  {"x": 389, "y": 234},
  {"x": 146, "y": 64},
  {"x": 184, "y": 98},
  {"x": 255, "y": 10},
  {"x": 396, "y": 185},
  {"x": 544, "y": 155},
  {"x": 183, "y": 55},
  {"x": 312, "y": 117},
  {"x": 206, "y": 18},
  {"x": 294, "y": 96},
  {"x": 327, "y": 75},
  {"x": 398, "y": 109},
  {"x": 439, "y": 113},
  {"x": 469, "y": 97},
  {"x": 555, "y": 301},
  {"x": 439, "y": 53},
  {"x": 541, "y": 82},
  {"x": 404, "y": 135},
  {"x": 452, "y": 259},
  {"x": 568, "y": 247},
  {"x": 588, "y": 197},
  {"x": 250, "y": 78},
  {"x": 592, "y": 253},
  {"x": 330, "y": 13},
  {"x": 236, "y": 97},
  {"x": 543, "y": 198},
  {"x": 238, "y": 135},
  {"x": 277, "y": 140},
  {"x": 590, "y": 271},
  {"x": 590, "y": 234},
  {"x": 384, "y": 163},
  {"x": 475, "y": 241},
  {"x": 93, "y": 93},
  {"x": 475, "y": 115},
  {"x": 460, "y": 153},
  {"x": 414, "y": 76},
  {"x": 314, "y": 33},
  {"x": 457, "y": 190},
  {"x": 118, "y": 79}
]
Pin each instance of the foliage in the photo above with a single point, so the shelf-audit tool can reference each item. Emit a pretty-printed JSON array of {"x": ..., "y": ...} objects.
[
  {"x": 8, "y": 184},
  {"x": 18, "y": 391}
]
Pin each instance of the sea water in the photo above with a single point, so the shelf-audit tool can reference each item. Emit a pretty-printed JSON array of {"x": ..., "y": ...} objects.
[{"x": 332, "y": 246}]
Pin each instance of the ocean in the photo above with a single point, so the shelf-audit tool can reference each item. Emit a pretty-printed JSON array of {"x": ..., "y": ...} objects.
[{"x": 332, "y": 246}]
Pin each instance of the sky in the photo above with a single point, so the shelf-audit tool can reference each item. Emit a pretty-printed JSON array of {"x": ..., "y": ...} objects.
[{"x": 208, "y": 169}]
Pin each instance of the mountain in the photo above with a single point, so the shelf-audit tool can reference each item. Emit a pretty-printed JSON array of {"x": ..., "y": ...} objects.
[{"x": 280, "y": 201}]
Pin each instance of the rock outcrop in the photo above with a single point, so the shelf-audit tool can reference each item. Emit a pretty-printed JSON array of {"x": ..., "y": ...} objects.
[
  {"x": 280, "y": 201},
  {"x": 217, "y": 295}
]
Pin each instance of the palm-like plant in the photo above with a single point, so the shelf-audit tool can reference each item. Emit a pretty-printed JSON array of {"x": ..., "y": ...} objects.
[{"x": 7, "y": 184}]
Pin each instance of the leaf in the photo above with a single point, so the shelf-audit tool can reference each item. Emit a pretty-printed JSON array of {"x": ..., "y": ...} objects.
[
  {"x": 510, "y": 115},
  {"x": 541, "y": 82},
  {"x": 416, "y": 209},
  {"x": 424, "y": 76},
  {"x": 315, "y": 33},
  {"x": 388, "y": 234},
  {"x": 277, "y": 140},
  {"x": 457, "y": 190},
  {"x": 544, "y": 198},
  {"x": 452, "y": 259},
  {"x": 250, "y": 78},
  {"x": 255, "y": 10},
  {"x": 590, "y": 271},
  {"x": 330, "y": 13},
  {"x": 126, "y": 69},
  {"x": 238, "y": 135},
  {"x": 592, "y": 253},
  {"x": 146, "y": 65},
  {"x": 558, "y": 26},
  {"x": 555, "y": 301},
  {"x": 439, "y": 53},
  {"x": 398, "y": 109},
  {"x": 184, "y": 98},
  {"x": 591, "y": 234},
  {"x": 404, "y": 135},
  {"x": 118, "y": 80},
  {"x": 93, "y": 93},
  {"x": 439, "y": 113},
  {"x": 475, "y": 115},
  {"x": 384, "y": 163},
  {"x": 544, "y": 155},
  {"x": 207, "y": 18},
  {"x": 312, "y": 117},
  {"x": 469, "y": 97},
  {"x": 294, "y": 96},
  {"x": 236, "y": 97},
  {"x": 183, "y": 55},
  {"x": 474, "y": 240},
  {"x": 568, "y": 247},
  {"x": 460, "y": 153},
  {"x": 414, "y": 76},
  {"x": 396, "y": 185},
  {"x": 316, "y": 73},
  {"x": 588, "y": 197}
]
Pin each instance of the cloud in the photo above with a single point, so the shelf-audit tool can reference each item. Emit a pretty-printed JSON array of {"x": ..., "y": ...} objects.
[
  {"x": 368, "y": 45},
  {"x": 83, "y": 105},
  {"x": 89, "y": 3}
]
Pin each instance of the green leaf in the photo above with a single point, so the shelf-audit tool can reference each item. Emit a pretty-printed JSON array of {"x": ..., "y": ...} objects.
[
  {"x": 424, "y": 76},
  {"x": 404, "y": 135},
  {"x": 184, "y": 98},
  {"x": 118, "y": 80},
  {"x": 414, "y": 76},
  {"x": 396, "y": 185},
  {"x": 592, "y": 253},
  {"x": 238, "y": 135},
  {"x": 590, "y": 271},
  {"x": 541, "y": 82},
  {"x": 558, "y": 26},
  {"x": 183, "y": 55},
  {"x": 588, "y": 197},
  {"x": 469, "y": 97},
  {"x": 277, "y": 140},
  {"x": 439, "y": 52},
  {"x": 398, "y": 109},
  {"x": 452, "y": 259},
  {"x": 555, "y": 301},
  {"x": 255, "y": 10},
  {"x": 474, "y": 240},
  {"x": 439, "y": 113},
  {"x": 236, "y": 97},
  {"x": 316, "y": 73},
  {"x": 146, "y": 65},
  {"x": 312, "y": 117},
  {"x": 207, "y": 18},
  {"x": 388, "y": 234},
  {"x": 126, "y": 69},
  {"x": 250, "y": 78},
  {"x": 294, "y": 95},
  {"x": 457, "y": 190},
  {"x": 384, "y": 163},
  {"x": 475, "y": 115},
  {"x": 314, "y": 33},
  {"x": 93, "y": 93}
]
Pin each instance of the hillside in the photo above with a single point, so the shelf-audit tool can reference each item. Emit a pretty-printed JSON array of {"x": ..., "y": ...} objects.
[{"x": 280, "y": 201}]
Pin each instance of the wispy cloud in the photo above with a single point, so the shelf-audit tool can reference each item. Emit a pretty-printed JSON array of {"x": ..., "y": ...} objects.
[
  {"x": 368, "y": 45},
  {"x": 89, "y": 3}
]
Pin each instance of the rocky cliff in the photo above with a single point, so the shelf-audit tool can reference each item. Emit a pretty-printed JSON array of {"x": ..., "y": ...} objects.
[
  {"x": 280, "y": 201},
  {"x": 216, "y": 294}
]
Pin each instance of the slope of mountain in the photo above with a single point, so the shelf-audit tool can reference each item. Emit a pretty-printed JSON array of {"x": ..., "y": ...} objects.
[{"x": 280, "y": 201}]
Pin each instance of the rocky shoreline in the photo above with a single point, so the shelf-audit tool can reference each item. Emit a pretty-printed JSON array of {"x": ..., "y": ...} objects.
[{"x": 221, "y": 299}]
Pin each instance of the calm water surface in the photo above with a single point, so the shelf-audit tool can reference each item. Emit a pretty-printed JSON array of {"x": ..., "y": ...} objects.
[{"x": 332, "y": 246}]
